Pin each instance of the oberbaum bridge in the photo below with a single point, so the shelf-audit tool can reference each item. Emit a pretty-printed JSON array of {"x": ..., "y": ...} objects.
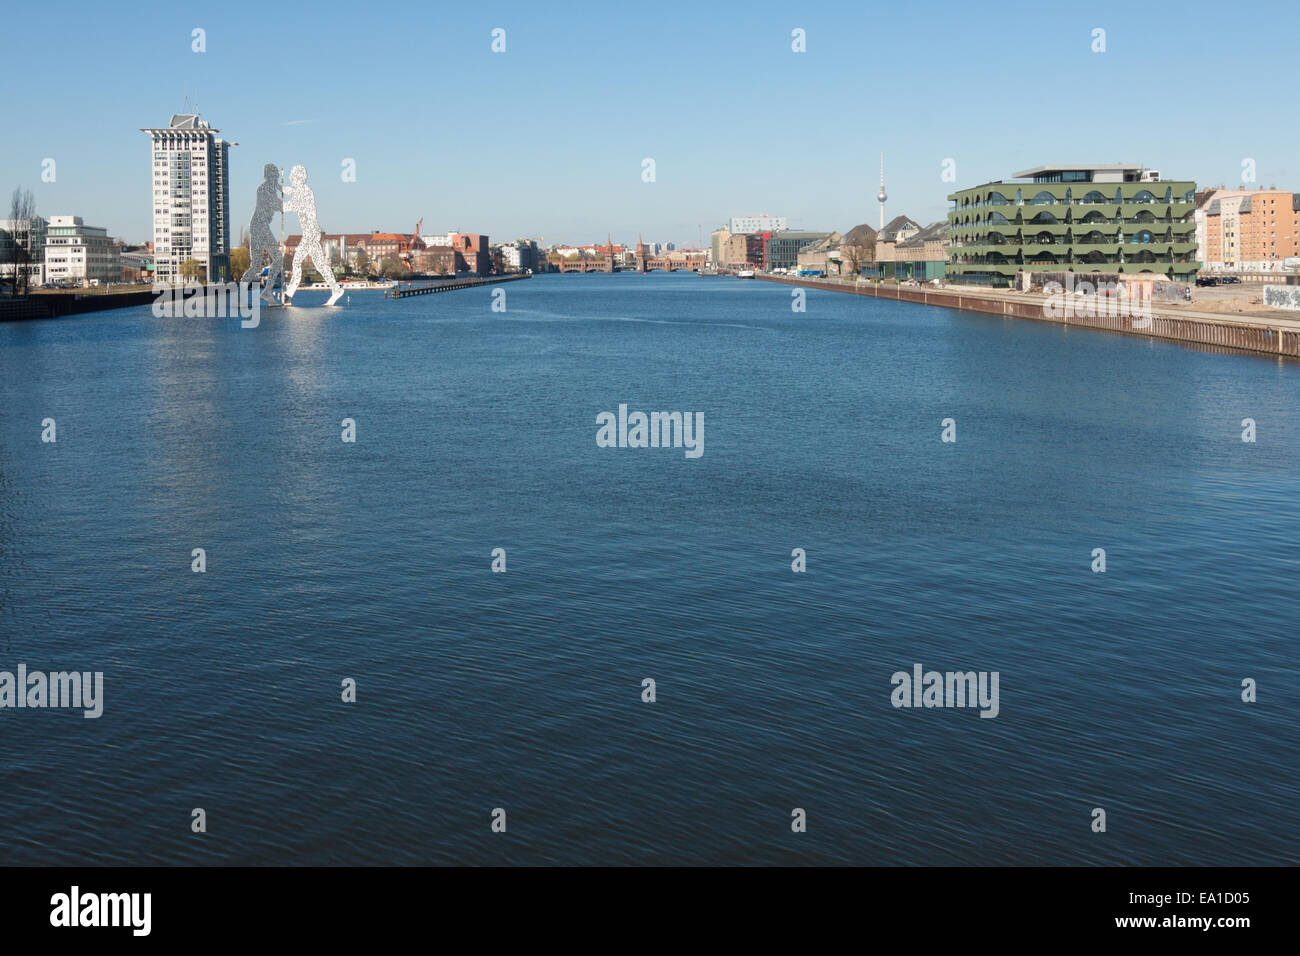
[{"x": 679, "y": 261}]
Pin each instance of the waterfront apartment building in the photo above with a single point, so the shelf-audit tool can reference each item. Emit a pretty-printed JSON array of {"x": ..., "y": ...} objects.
[
  {"x": 858, "y": 248},
  {"x": 472, "y": 253},
  {"x": 1203, "y": 198},
  {"x": 1250, "y": 230},
  {"x": 717, "y": 242},
  {"x": 1118, "y": 218},
  {"x": 426, "y": 255},
  {"x": 339, "y": 248},
  {"x": 920, "y": 256},
  {"x": 782, "y": 248},
  {"x": 77, "y": 253},
  {"x": 22, "y": 251},
  {"x": 760, "y": 223},
  {"x": 898, "y": 229},
  {"x": 822, "y": 256},
  {"x": 137, "y": 265},
  {"x": 191, "y": 198},
  {"x": 734, "y": 250},
  {"x": 432, "y": 261},
  {"x": 511, "y": 256},
  {"x": 388, "y": 247}
]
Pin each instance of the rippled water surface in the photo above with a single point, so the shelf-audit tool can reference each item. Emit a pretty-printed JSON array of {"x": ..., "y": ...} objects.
[{"x": 476, "y": 430}]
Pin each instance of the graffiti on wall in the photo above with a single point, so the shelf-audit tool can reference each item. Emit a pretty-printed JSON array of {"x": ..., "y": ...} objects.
[{"x": 1282, "y": 297}]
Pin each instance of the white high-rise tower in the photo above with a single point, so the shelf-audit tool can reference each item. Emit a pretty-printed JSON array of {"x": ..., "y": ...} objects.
[
  {"x": 191, "y": 198},
  {"x": 881, "y": 196}
]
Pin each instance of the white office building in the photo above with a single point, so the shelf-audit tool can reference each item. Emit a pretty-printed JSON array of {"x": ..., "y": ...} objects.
[
  {"x": 512, "y": 256},
  {"x": 22, "y": 250},
  {"x": 191, "y": 198},
  {"x": 760, "y": 223},
  {"x": 77, "y": 253}
]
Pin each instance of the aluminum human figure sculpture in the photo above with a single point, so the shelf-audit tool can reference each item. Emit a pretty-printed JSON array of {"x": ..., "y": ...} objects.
[
  {"x": 261, "y": 240},
  {"x": 300, "y": 199}
]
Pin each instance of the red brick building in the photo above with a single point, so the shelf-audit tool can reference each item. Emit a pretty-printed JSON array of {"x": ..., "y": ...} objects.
[
  {"x": 468, "y": 252},
  {"x": 433, "y": 260},
  {"x": 472, "y": 253}
]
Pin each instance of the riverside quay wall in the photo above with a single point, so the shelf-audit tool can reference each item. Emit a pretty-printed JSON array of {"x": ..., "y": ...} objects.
[
  {"x": 1245, "y": 333},
  {"x": 55, "y": 305}
]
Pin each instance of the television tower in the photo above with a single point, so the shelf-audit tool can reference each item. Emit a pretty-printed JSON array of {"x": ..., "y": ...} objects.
[{"x": 882, "y": 196}]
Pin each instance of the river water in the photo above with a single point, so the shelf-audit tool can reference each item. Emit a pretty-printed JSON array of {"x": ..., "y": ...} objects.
[{"x": 476, "y": 430}]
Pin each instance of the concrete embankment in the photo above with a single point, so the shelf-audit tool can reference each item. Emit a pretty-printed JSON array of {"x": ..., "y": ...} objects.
[
  {"x": 1245, "y": 333},
  {"x": 53, "y": 305}
]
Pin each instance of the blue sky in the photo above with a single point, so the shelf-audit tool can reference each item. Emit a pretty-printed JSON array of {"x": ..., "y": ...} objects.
[{"x": 548, "y": 138}]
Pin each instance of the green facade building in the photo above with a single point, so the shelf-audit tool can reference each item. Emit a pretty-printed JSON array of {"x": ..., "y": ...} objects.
[{"x": 1118, "y": 218}]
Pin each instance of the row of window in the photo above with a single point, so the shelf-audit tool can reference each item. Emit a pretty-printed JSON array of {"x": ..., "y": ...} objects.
[
  {"x": 1093, "y": 197},
  {"x": 1048, "y": 258},
  {"x": 1142, "y": 235},
  {"x": 1046, "y": 218}
]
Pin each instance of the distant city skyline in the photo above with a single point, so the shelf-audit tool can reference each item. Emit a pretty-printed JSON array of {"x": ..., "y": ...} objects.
[{"x": 555, "y": 146}]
